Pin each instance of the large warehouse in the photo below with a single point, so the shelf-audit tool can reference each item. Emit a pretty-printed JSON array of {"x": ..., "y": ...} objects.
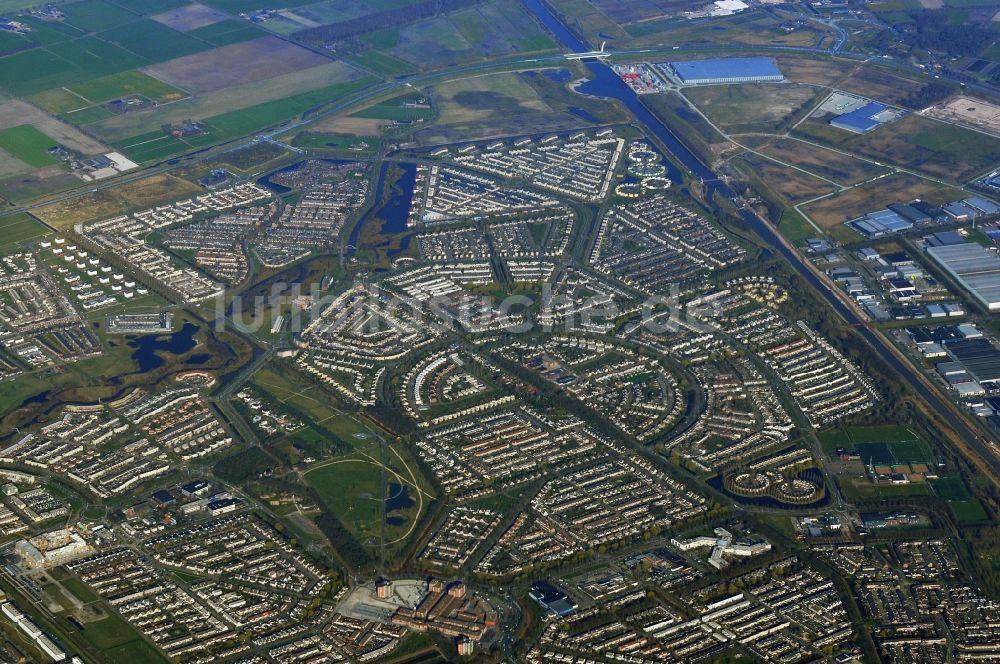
[
  {"x": 724, "y": 70},
  {"x": 974, "y": 267}
]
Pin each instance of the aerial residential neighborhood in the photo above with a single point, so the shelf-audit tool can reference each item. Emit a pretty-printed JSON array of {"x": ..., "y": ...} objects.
[{"x": 544, "y": 331}]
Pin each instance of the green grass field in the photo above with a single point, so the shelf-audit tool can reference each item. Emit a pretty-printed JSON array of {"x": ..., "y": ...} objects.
[
  {"x": 397, "y": 109},
  {"x": 381, "y": 64},
  {"x": 885, "y": 443},
  {"x": 903, "y": 490},
  {"x": 350, "y": 489},
  {"x": 227, "y": 32},
  {"x": 17, "y": 229},
  {"x": 58, "y": 101},
  {"x": 28, "y": 144},
  {"x": 247, "y": 120},
  {"x": 154, "y": 41},
  {"x": 87, "y": 115},
  {"x": 951, "y": 489},
  {"x": 968, "y": 511},
  {"x": 152, "y": 146},
  {"x": 95, "y": 15},
  {"x": 124, "y": 84},
  {"x": 928, "y": 146},
  {"x": 80, "y": 590}
]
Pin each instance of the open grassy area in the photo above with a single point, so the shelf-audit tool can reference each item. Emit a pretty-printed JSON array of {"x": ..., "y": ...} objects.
[
  {"x": 244, "y": 121},
  {"x": 119, "y": 642},
  {"x": 928, "y": 146},
  {"x": 297, "y": 392},
  {"x": 510, "y": 104},
  {"x": 841, "y": 168},
  {"x": 852, "y": 203},
  {"x": 748, "y": 28},
  {"x": 951, "y": 489},
  {"x": 794, "y": 227},
  {"x": 140, "y": 194},
  {"x": 968, "y": 511},
  {"x": 19, "y": 229},
  {"x": 284, "y": 89},
  {"x": 487, "y": 30},
  {"x": 26, "y": 143},
  {"x": 411, "y": 106},
  {"x": 754, "y": 108},
  {"x": 904, "y": 490},
  {"x": 882, "y": 85},
  {"x": 126, "y": 83},
  {"x": 883, "y": 443},
  {"x": 352, "y": 489},
  {"x": 791, "y": 184}
]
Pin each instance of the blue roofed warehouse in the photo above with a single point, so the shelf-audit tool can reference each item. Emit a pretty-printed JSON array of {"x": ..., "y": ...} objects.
[{"x": 724, "y": 70}]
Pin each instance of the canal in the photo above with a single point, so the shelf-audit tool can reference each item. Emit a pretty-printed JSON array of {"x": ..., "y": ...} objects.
[{"x": 605, "y": 83}]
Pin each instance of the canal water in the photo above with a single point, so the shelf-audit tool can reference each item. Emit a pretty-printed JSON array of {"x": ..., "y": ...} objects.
[{"x": 606, "y": 84}]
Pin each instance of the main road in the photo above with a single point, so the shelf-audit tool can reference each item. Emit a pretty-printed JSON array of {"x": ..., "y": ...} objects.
[{"x": 607, "y": 84}]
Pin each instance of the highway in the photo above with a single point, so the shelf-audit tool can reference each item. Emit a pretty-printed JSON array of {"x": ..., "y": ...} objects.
[
  {"x": 611, "y": 86},
  {"x": 937, "y": 402},
  {"x": 389, "y": 87}
]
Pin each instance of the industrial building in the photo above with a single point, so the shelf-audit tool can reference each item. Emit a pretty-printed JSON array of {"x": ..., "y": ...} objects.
[
  {"x": 864, "y": 119},
  {"x": 724, "y": 70},
  {"x": 880, "y": 223},
  {"x": 554, "y": 601},
  {"x": 974, "y": 267}
]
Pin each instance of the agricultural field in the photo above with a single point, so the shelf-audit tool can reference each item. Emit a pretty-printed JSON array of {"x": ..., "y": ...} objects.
[
  {"x": 900, "y": 187},
  {"x": 15, "y": 113},
  {"x": 230, "y": 31},
  {"x": 190, "y": 17},
  {"x": 87, "y": 95},
  {"x": 226, "y": 66},
  {"x": 154, "y": 41},
  {"x": 840, "y": 168},
  {"x": 587, "y": 20},
  {"x": 27, "y": 144},
  {"x": 331, "y": 76},
  {"x": 915, "y": 142},
  {"x": 496, "y": 28},
  {"x": 381, "y": 64},
  {"x": 754, "y": 108}
]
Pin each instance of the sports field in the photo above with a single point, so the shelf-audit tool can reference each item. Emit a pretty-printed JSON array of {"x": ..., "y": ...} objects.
[
  {"x": 885, "y": 444},
  {"x": 19, "y": 228}
]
